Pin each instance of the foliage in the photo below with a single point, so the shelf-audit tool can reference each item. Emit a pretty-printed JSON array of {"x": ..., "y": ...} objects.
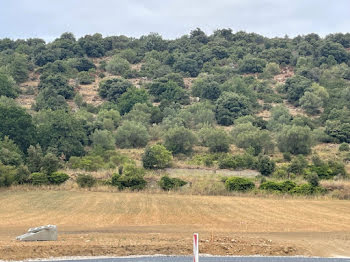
[
  {"x": 207, "y": 88},
  {"x": 112, "y": 89},
  {"x": 239, "y": 184},
  {"x": 230, "y": 106},
  {"x": 103, "y": 139},
  {"x": 49, "y": 164},
  {"x": 38, "y": 179},
  {"x": 7, "y": 86},
  {"x": 7, "y": 175},
  {"x": 344, "y": 147},
  {"x": 179, "y": 140},
  {"x": 216, "y": 139},
  {"x": 285, "y": 187},
  {"x": 244, "y": 161},
  {"x": 131, "y": 135},
  {"x": 265, "y": 165},
  {"x": 132, "y": 97},
  {"x": 10, "y": 154},
  {"x": 167, "y": 183},
  {"x": 57, "y": 178},
  {"x": 156, "y": 157},
  {"x": 118, "y": 66},
  {"x": 252, "y": 65},
  {"x": 132, "y": 177},
  {"x": 295, "y": 139},
  {"x": 53, "y": 127},
  {"x": 86, "y": 180},
  {"x": 16, "y": 123}
]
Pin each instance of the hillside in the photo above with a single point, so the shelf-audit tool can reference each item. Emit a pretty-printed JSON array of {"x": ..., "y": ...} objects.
[{"x": 123, "y": 109}]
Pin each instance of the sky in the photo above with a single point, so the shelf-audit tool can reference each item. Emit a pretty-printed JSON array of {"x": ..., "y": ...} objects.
[{"x": 48, "y": 19}]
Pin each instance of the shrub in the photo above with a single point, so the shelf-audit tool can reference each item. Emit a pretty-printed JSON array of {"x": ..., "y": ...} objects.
[
  {"x": 156, "y": 157},
  {"x": 266, "y": 166},
  {"x": 103, "y": 139},
  {"x": 86, "y": 180},
  {"x": 295, "y": 140},
  {"x": 118, "y": 66},
  {"x": 88, "y": 163},
  {"x": 85, "y": 78},
  {"x": 231, "y": 106},
  {"x": 243, "y": 161},
  {"x": 167, "y": 183},
  {"x": 131, "y": 135},
  {"x": 307, "y": 189},
  {"x": 216, "y": 140},
  {"x": 179, "y": 140},
  {"x": 313, "y": 179},
  {"x": 38, "y": 179},
  {"x": 112, "y": 89},
  {"x": 132, "y": 178},
  {"x": 239, "y": 184},
  {"x": 57, "y": 178},
  {"x": 344, "y": 147},
  {"x": 50, "y": 163},
  {"x": 7, "y": 175},
  {"x": 285, "y": 186}
]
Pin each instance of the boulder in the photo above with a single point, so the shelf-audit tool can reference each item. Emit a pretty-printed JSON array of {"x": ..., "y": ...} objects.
[{"x": 43, "y": 233}]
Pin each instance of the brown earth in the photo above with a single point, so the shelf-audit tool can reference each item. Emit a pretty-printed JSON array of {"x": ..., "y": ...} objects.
[{"x": 102, "y": 223}]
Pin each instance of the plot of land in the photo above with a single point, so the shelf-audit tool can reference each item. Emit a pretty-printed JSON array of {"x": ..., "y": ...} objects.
[{"x": 102, "y": 223}]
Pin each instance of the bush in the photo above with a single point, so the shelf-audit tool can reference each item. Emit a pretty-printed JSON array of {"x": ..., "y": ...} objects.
[
  {"x": 266, "y": 166},
  {"x": 86, "y": 180},
  {"x": 50, "y": 163},
  {"x": 295, "y": 140},
  {"x": 118, "y": 66},
  {"x": 57, "y": 178},
  {"x": 131, "y": 135},
  {"x": 216, "y": 140},
  {"x": 85, "y": 78},
  {"x": 307, "y": 189},
  {"x": 168, "y": 183},
  {"x": 88, "y": 163},
  {"x": 231, "y": 106},
  {"x": 38, "y": 179},
  {"x": 285, "y": 186},
  {"x": 313, "y": 179},
  {"x": 245, "y": 161},
  {"x": 7, "y": 175},
  {"x": 239, "y": 184},
  {"x": 179, "y": 140},
  {"x": 112, "y": 89},
  {"x": 132, "y": 178},
  {"x": 103, "y": 139},
  {"x": 344, "y": 147},
  {"x": 156, "y": 157}
]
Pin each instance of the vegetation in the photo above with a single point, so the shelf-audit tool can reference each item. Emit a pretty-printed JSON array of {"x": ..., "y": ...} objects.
[{"x": 227, "y": 100}]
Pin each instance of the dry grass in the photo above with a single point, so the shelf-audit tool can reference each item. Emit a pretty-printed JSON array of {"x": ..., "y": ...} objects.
[{"x": 101, "y": 223}]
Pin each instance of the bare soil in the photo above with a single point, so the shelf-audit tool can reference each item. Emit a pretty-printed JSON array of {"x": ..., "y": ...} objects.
[{"x": 102, "y": 223}]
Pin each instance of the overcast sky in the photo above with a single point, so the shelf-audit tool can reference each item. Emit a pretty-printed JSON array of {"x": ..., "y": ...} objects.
[{"x": 48, "y": 19}]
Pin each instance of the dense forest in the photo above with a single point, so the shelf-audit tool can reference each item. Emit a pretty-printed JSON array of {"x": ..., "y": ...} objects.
[{"x": 133, "y": 105}]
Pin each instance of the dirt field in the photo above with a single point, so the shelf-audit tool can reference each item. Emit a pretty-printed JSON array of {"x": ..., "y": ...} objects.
[{"x": 102, "y": 223}]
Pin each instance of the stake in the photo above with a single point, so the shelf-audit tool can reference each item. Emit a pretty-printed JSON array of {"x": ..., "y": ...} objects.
[{"x": 195, "y": 247}]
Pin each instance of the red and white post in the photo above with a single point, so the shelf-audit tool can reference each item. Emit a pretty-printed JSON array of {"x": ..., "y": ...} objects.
[{"x": 195, "y": 247}]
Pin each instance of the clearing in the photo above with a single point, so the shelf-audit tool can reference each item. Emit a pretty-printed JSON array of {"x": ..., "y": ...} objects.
[{"x": 104, "y": 223}]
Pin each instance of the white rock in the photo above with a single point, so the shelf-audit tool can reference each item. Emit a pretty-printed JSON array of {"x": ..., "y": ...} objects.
[{"x": 43, "y": 233}]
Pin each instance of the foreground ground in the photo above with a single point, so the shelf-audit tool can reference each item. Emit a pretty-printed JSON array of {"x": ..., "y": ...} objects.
[{"x": 103, "y": 223}]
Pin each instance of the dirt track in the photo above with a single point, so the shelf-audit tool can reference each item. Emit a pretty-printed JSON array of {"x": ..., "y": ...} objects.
[{"x": 94, "y": 223}]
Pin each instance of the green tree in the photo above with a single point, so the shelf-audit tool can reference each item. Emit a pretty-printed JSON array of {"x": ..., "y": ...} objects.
[
  {"x": 206, "y": 88},
  {"x": 103, "y": 139},
  {"x": 156, "y": 157},
  {"x": 179, "y": 140},
  {"x": 10, "y": 154},
  {"x": 112, "y": 89},
  {"x": 132, "y": 97},
  {"x": 295, "y": 88},
  {"x": 230, "y": 106},
  {"x": 62, "y": 131},
  {"x": 7, "y": 86},
  {"x": 252, "y": 65},
  {"x": 131, "y": 135},
  {"x": 35, "y": 158},
  {"x": 118, "y": 66},
  {"x": 16, "y": 123},
  {"x": 266, "y": 166},
  {"x": 311, "y": 103},
  {"x": 295, "y": 139},
  {"x": 7, "y": 175},
  {"x": 216, "y": 139}
]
